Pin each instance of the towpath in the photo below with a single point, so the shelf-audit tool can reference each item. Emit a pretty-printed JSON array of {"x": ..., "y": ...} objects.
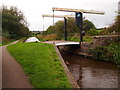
[{"x": 12, "y": 73}]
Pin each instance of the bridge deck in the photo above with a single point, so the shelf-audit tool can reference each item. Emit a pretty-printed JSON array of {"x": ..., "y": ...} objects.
[
  {"x": 66, "y": 43},
  {"x": 60, "y": 43}
]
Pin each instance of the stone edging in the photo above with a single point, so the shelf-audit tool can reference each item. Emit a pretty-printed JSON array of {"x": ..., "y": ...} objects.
[{"x": 68, "y": 73}]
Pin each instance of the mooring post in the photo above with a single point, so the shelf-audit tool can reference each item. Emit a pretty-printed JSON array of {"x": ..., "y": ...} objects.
[{"x": 65, "y": 28}]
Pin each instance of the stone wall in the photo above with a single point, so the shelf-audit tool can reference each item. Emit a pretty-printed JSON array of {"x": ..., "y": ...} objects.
[
  {"x": 104, "y": 40},
  {"x": 85, "y": 46},
  {"x": 98, "y": 41}
]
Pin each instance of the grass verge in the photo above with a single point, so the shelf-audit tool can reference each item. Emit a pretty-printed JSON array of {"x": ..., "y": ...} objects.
[
  {"x": 41, "y": 64},
  {"x": 85, "y": 39}
]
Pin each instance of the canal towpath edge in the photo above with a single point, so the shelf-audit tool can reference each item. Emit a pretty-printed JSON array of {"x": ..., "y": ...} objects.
[{"x": 68, "y": 73}]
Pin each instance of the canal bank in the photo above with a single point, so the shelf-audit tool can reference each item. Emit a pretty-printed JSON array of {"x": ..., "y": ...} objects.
[
  {"x": 104, "y": 48},
  {"x": 88, "y": 72},
  {"x": 71, "y": 79}
]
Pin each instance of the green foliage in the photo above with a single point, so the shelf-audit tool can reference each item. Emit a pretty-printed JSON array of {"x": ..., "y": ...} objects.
[
  {"x": 114, "y": 49},
  {"x": 50, "y": 30},
  {"x": 59, "y": 28},
  {"x": 110, "y": 52},
  {"x": 87, "y": 25},
  {"x": 41, "y": 64},
  {"x": 6, "y": 33},
  {"x": 71, "y": 26},
  {"x": 93, "y": 32},
  {"x": 88, "y": 39},
  {"x": 99, "y": 53},
  {"x": 72, "y": 29},
  {"x": 14, "y": 25},
  {"x": 77, "y": 39},
  {"x": 74, "y": 39}
]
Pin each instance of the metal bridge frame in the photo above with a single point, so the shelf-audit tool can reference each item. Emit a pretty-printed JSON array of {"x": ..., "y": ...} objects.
[{"x": 81, "y": 11}]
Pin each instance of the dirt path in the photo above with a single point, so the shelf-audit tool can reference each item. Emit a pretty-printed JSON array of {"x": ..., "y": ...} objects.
[{"x": 12, "y": 73}]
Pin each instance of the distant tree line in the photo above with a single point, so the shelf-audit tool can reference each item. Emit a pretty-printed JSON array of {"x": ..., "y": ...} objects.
[{"x": 14, "y": 25}]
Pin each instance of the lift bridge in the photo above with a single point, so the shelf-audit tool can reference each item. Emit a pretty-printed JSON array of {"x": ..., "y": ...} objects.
[
  {"x": 65, "y": 43},
  {"x": 79, "y": 21}
]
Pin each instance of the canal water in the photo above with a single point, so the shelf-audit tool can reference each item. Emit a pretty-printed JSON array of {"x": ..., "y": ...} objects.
[{"x": 90, "y": 73}]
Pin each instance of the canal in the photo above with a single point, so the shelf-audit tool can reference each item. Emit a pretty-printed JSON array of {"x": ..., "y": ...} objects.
[{"x": 91, "y": 73}]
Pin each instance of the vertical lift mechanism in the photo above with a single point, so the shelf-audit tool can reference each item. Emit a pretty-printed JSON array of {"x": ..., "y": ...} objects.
[
  {"x": 65, "y": 22},
  {"x": 79, "y": 17}
]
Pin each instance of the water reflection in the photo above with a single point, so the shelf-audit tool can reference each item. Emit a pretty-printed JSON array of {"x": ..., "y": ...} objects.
[{"x": 91, "y": 73}]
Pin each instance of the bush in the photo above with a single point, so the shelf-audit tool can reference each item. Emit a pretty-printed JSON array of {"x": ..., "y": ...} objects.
[
  {"x": 46, "y": 37},
  {"x": 14, "y": 25},
  {"x": 107, "y": 53},
  {"x": 101, "y": 53},
  {"x": 92, "y": 32},
  {"x": 114, "y": 49}
]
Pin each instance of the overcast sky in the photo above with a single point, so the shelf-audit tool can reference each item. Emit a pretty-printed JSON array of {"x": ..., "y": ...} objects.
[{"x": 33, "y": 10}]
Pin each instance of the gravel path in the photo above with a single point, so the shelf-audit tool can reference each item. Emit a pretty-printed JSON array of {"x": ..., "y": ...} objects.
[{"x": 12, "y": 73}]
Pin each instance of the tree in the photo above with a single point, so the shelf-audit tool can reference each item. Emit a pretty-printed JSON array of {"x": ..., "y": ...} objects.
[
  {"x": 72, "y": 28},
  {"x": 14, "y": 24},
  {"x": 71, "y": 25},
  {"x": 50, "y": 30},
  {"x": 59, "y": 28},
  {"x": 87, "y": 25}
]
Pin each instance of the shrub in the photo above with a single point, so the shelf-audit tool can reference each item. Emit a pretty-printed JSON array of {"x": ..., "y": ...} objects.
[
  {"x": 46, "y": 37},
  {"x": 92, "y": 32},
  {"x": 107, "y": 53}
]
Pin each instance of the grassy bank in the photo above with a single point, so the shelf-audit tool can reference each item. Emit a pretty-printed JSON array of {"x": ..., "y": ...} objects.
[{"x": 41, "y": 64}]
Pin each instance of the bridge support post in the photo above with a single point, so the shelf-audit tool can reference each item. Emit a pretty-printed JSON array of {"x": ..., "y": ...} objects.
[
  {"x": 81, "y": 29},
  {"x": 65, "y": 28},
  {"x": 79, "y": 22}
]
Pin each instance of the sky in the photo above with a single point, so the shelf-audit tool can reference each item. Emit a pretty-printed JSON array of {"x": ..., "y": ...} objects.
[{"x": 34, "y": 9}]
